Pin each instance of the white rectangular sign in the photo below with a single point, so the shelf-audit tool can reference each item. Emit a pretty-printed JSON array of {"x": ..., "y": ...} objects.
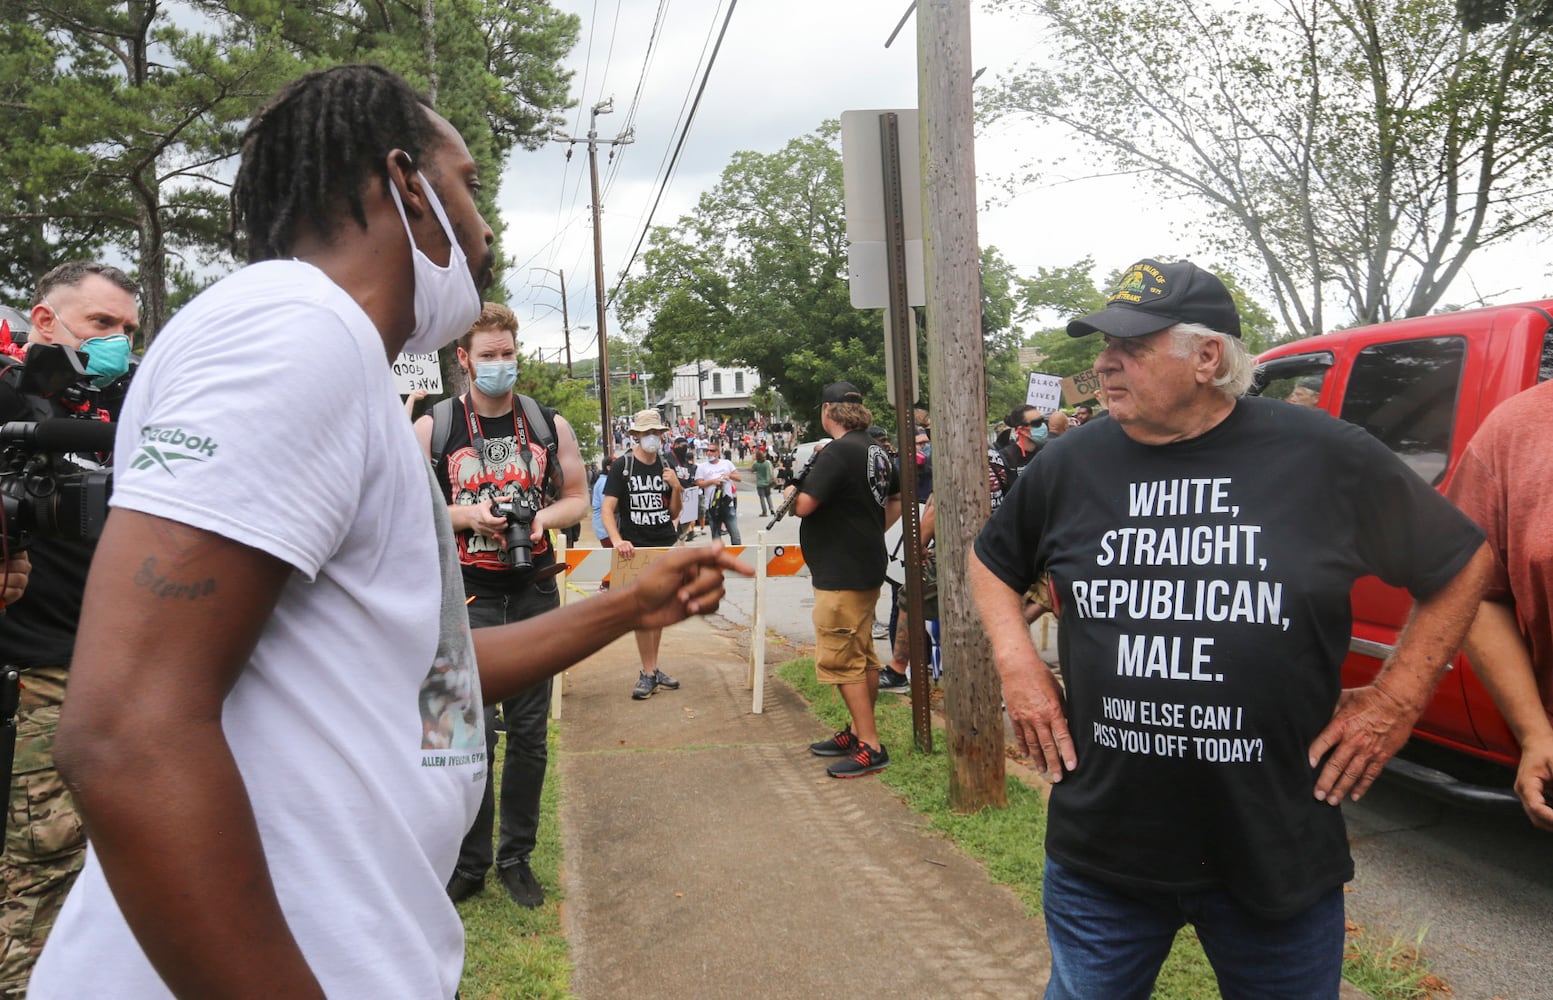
[
  {"x": 862, "y": 174},
  {"x": 1045, "y": 392},
  {"x": 862, "y": 171},
  {"x": 417, "y": 371}
]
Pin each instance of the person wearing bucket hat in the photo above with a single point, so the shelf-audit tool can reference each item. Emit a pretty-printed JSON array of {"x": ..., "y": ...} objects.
[
  {"x": 642, "y": 501},
  {"x": 1201, "y": 547}
]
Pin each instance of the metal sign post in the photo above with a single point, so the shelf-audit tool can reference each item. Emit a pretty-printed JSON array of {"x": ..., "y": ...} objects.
[{"x": 902, "y": 337}]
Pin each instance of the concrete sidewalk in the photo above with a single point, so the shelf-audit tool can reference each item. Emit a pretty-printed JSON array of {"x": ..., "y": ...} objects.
[{"x": 707, "y": 854}]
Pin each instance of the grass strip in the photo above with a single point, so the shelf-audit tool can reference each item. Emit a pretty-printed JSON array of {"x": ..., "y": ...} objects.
[
  {"x": 1009, "y": 842},
  {"x": 510, "y": 950}
]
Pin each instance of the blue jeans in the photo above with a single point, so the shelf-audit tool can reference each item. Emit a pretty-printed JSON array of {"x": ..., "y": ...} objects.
[
  {"x": 527, "y": 718},
  {"x": 1110, "y": 942},
  {"x": 725, "y": 518}
]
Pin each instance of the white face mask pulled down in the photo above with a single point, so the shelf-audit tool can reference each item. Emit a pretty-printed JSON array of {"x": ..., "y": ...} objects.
[{"x": 446, "y": 300}]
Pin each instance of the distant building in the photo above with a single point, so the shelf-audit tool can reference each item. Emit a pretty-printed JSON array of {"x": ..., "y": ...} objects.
[{"x": 706, "y": 387}]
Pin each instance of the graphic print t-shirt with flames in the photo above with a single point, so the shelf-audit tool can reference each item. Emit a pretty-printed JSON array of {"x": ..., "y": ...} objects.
[{"x": 508, "y": 469}]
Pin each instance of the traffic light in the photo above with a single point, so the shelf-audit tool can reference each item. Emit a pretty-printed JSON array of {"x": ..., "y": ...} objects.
[{"x": 633, "y": 376}]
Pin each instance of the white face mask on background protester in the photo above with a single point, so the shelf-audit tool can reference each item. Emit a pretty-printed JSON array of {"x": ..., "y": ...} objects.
[{"x": 446, "y": 300}]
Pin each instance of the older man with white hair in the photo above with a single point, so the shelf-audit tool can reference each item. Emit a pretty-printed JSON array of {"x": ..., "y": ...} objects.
[{"x": 1201, "y": 547}]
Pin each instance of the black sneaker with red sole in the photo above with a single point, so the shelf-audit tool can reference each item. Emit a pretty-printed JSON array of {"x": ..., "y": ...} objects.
[{"x": 864, "y": 760}]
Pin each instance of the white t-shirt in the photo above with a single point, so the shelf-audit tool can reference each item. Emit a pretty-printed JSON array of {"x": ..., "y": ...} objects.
[
  {"x": 266, "y": 413},
  {"x": 711, "y": 469}
]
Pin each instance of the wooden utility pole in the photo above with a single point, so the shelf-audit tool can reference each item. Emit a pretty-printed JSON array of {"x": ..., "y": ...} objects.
[
  {"x": 598, "y": 292},
  {"x": 593, "y": 141},
  {"x": 957, "y": 372}
]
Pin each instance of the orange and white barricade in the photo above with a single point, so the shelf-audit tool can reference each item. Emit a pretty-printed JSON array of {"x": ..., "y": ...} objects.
[
  {"x": 593, "y": 565},
  {"x": 770, "y": 560}
]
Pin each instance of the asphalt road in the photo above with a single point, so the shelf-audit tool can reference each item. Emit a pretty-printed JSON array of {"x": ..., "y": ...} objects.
[{"x": 1477, "y": 886}]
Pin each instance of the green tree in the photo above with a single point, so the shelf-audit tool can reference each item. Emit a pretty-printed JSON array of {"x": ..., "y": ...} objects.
[
  {"x": 756, "y": 275},
  {"x": 1059, "y": 294},
  {"x": 548, "y": 384},
  {"x": 1476, "y": 14},
  {"x": 1000, "y": 330},
  {"x": 1069, "y": 292},
  {"x": 1352, "y": 149},
  {"x": 121, "y": 118}
]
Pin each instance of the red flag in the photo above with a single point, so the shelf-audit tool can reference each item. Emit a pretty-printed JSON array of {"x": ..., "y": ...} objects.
[{"x": 7, "y": 344}]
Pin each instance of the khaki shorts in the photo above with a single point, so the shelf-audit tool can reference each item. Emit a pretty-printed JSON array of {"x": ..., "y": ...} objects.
[
  {"x": 623, "y": 571},
  {"x": 843, "y": 635}
]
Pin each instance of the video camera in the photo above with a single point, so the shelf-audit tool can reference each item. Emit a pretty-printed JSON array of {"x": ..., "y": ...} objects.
[
  {"x": 42, "y": 493},
  {"x": 520, "y": 519}
]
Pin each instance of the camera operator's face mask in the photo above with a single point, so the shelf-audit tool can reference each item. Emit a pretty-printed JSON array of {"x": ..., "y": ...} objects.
[
  {"x": 496, "y": 378},
  {"x": 106, "y": 357},
  {"x": 446, "y": 300}
]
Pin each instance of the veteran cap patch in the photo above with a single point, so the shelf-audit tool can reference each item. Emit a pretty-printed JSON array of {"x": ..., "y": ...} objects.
[{"x": 1153, "y": 296}]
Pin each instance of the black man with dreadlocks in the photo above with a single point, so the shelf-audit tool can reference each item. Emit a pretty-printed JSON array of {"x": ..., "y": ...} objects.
[{"x": 274, "y": 731}]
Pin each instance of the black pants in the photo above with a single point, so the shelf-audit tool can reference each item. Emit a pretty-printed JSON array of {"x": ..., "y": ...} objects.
[{"x": 527, "y": 718}]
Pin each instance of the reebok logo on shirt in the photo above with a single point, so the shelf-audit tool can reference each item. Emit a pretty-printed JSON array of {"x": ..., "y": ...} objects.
[{"x": 177, "y": 445}]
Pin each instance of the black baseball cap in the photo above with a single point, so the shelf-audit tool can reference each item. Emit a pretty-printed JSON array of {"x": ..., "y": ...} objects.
[
  {"x": 1154, "y": 296},
  {"x": 841, "y": 392}
]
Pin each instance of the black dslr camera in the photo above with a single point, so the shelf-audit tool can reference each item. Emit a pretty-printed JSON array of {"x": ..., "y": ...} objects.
[
  {"x": 42, "y": 494},
  {"x": 520, "y": 519}
]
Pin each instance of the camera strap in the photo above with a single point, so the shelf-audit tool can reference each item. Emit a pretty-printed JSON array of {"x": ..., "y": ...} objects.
[
  {"x": 478, "y": 440},
  {"x": 520, "y": 427}
]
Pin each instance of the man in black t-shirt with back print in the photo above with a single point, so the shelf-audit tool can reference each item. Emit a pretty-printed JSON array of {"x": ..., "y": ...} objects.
[
  {"x": 850, "y": 495},
  {"x": 1201, "y": 740}
]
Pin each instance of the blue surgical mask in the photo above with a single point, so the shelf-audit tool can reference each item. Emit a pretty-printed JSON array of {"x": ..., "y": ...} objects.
[
  {"x": 107, "y": 357},
  {"x": 496, "y": 378},
  {"x": 1038, "y": 433}
]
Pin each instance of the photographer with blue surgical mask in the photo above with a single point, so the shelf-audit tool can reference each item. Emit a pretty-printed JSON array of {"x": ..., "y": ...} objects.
[
  {"x": 91, "y": 308},
  {"x": 495, "y": 444}
]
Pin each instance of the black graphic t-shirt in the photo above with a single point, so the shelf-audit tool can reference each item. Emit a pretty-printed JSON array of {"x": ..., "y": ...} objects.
[
  {"x": 642, "y": 496},
  {"x": 843, "y": 540},
  {"x": 512, "y": 463},
  {"x": 1203, "y": 590}
]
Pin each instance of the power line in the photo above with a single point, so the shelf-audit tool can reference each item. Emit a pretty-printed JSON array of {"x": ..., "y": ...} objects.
[
  {"x": 679, "y": 147},
  {"x": 617, "y": 156},
  {"x": 661, "y": 174},
  {"x": 609, "y": 54}
]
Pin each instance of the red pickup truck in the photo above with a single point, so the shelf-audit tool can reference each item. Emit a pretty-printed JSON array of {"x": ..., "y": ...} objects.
[{"x": 1423, "y": 386}]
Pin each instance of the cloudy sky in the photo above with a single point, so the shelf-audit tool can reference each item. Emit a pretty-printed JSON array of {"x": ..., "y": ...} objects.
[{"x": 784, "y": 67}]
